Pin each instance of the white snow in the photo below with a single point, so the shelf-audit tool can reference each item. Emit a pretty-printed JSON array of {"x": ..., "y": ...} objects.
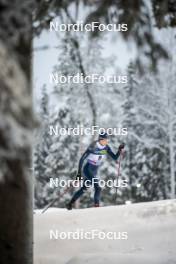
[{"x": 151, "y": 229}]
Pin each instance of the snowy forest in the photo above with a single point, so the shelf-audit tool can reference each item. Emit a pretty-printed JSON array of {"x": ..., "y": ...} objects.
[{"x": 145, "y": 105}]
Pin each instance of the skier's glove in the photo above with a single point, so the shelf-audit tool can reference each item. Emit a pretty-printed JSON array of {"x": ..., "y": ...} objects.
[
  {"x": 78, "y": 176},
  {"x": 121, "y": 147}
]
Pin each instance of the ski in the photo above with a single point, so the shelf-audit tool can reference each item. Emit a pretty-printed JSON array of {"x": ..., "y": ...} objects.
[{"x": 54, "y": 200}]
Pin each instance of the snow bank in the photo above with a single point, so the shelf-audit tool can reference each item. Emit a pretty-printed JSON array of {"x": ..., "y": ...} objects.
[{"x": 151, "y": 229}]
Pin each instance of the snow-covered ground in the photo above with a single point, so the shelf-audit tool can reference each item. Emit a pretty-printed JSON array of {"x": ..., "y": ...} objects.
[{"x": 150, "y": 227}]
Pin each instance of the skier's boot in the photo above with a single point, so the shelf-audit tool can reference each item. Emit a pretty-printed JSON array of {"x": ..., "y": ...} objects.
[
  {"x": 69, "y": 206},
  {"x": 96, "y": 205}
]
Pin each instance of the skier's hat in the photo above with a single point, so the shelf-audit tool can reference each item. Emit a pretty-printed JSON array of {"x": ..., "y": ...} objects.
[{"x": 103, "y": 135}]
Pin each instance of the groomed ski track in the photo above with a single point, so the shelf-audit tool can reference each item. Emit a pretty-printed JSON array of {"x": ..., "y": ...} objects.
[{"x": 151, "y": 229}]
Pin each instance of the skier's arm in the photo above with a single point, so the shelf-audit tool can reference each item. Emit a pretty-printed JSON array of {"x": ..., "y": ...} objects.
[
  {"x": 89, "y": 150},
  {"x": 81, "y": 161},
  {"x": 111, "y": 153}
]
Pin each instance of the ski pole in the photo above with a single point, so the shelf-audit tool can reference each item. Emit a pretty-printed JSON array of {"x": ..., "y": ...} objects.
[
  {"x": 54, "y": 200},
  {"x": 118, "y": 171},
  {"x": 119, "y": 163}
]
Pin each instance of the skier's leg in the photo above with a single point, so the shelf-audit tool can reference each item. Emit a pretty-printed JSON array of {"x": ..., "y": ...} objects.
[
  {"x": 97, "y": 193},
  {"x": 87, "y": 177},
  {"x": 76, "y": 196},
  {"x": 79, "y": 193}
]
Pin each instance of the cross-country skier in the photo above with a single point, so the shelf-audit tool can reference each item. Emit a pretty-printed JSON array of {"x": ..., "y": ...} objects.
[{"x": 93, "y": 156}]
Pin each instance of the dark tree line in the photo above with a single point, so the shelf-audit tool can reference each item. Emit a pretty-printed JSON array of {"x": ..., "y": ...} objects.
[
  {"x": 136, "y": 14},
  {"x": 16, "y": 123}
]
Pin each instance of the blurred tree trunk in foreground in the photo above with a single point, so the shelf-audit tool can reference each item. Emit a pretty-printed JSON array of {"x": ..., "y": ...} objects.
[{"x": 16, "y": 123}]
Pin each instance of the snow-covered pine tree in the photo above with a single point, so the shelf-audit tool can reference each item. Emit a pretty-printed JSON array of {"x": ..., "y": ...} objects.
[
  {"x": 41, "y": 151},
  {"x": 167, "y": 73},
  {"x": 153, "y": 163},
  {"x": 135, "y": 128},
  {"x": 62, "y": 160}
]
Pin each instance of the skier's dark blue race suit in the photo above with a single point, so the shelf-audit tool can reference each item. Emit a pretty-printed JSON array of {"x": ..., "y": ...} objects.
[{"x": 94, "y": 155}]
